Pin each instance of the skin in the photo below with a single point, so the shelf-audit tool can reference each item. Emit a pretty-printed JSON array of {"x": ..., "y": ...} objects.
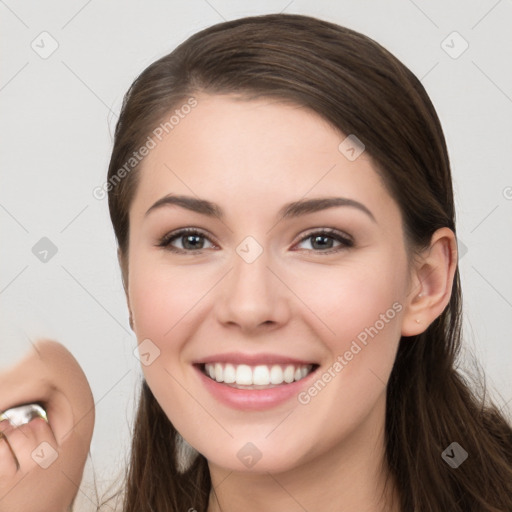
[
  {"x": 51, "y": 375},
  {"x": 252, "y": 157}
]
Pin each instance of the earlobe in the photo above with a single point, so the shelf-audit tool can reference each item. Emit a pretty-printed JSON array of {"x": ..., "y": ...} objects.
[{"x": 431, "y": 283}]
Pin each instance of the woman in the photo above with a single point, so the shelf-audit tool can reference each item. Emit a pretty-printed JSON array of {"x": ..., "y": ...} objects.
[
  {"x": 317, "y": 378},
  {"x": 281, "y": 196}
]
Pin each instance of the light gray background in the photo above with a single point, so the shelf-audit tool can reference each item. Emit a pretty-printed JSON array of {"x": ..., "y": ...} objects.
[{"x": 58, "y": 114}]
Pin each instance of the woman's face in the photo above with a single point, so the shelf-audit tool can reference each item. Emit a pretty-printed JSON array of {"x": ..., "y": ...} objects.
[{"x": 261, "y": 296}]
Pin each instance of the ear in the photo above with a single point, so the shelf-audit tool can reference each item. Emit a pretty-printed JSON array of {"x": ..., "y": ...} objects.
[
  {"x": 431, "y": 282},
  {"x": 123, "y": 264}
]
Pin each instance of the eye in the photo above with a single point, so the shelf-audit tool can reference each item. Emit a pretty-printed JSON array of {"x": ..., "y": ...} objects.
[
  {"x": 324, "y": 240},
  {"x": 190, "y": 239},
  {"x": 193, "y": 240}
]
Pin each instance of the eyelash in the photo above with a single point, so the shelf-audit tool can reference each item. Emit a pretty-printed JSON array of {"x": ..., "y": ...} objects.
[{"x": 344, "y": 239}]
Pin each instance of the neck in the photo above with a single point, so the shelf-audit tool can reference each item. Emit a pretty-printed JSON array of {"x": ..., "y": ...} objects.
[{"x": 351, "y": 476}]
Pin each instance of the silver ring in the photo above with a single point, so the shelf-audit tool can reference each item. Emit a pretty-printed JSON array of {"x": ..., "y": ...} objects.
[{"x": 22, "y": 414}]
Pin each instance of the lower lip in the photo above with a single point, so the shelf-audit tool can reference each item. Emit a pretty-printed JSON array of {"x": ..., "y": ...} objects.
[{"x": 253, "y": 399}]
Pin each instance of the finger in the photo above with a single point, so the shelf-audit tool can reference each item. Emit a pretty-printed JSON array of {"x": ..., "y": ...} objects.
[
  {"x": 50, "y": 375},
  {"x": 33, "y": 445},
  {"x": 8, "y": 462}
]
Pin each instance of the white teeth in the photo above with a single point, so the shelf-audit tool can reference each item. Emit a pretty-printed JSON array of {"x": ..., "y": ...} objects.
[
  {"x": 243, "y": 375},
  {"x": 289, "y": 374},
  {"x": 229, "y": 374},
  {"x": 218, "y": 372},
  {"x": 276, "y": 375},
  {"x": 260, "y": 375}
]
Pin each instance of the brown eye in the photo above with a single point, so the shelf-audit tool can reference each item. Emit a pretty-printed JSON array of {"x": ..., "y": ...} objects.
[
  {"x": 190, "y": 240},
  {"x": 324, "y": 241}
]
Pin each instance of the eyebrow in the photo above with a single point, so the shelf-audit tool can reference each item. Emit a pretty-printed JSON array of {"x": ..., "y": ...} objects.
[{"x": 289, "y": 210}]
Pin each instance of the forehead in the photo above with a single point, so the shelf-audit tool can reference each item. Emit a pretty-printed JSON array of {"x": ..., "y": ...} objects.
[{"x": 255, "y": 152}]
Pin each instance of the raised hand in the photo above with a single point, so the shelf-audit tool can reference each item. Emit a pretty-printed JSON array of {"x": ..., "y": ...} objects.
[{"x": 42, "y": 461}]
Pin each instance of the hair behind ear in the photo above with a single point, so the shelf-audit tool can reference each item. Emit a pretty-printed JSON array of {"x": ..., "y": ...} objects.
[{"x": 123, "y": 264}]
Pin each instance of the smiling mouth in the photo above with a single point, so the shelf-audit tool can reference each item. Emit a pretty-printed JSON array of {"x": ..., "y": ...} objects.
[{"x": 243, "y": 376}]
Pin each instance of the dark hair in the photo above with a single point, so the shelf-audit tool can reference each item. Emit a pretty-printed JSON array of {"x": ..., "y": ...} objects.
[{"x": 362, "y": 89}]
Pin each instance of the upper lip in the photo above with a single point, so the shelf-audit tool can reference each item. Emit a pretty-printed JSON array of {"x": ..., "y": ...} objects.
[{"x": 252, "y": 359}]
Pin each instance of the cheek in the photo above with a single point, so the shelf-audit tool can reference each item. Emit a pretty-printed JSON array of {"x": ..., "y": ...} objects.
[
  {"x": 350, "y": 299},
  {"x": 164, "y": 301},
  {"x": 167, "y": 304},
  {"x": 360, "y": 307},
  {"x": 163, "y": 296}
]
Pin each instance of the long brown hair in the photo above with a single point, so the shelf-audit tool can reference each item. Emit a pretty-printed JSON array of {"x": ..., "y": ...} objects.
[{"x": 360, "y": 88}]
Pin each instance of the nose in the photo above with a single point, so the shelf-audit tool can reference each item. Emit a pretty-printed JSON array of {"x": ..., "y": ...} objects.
[{"x": 253, "y": 295}]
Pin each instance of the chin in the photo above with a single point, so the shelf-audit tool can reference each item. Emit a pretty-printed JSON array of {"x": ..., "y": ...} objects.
[{"x": 254, "y": 458}]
